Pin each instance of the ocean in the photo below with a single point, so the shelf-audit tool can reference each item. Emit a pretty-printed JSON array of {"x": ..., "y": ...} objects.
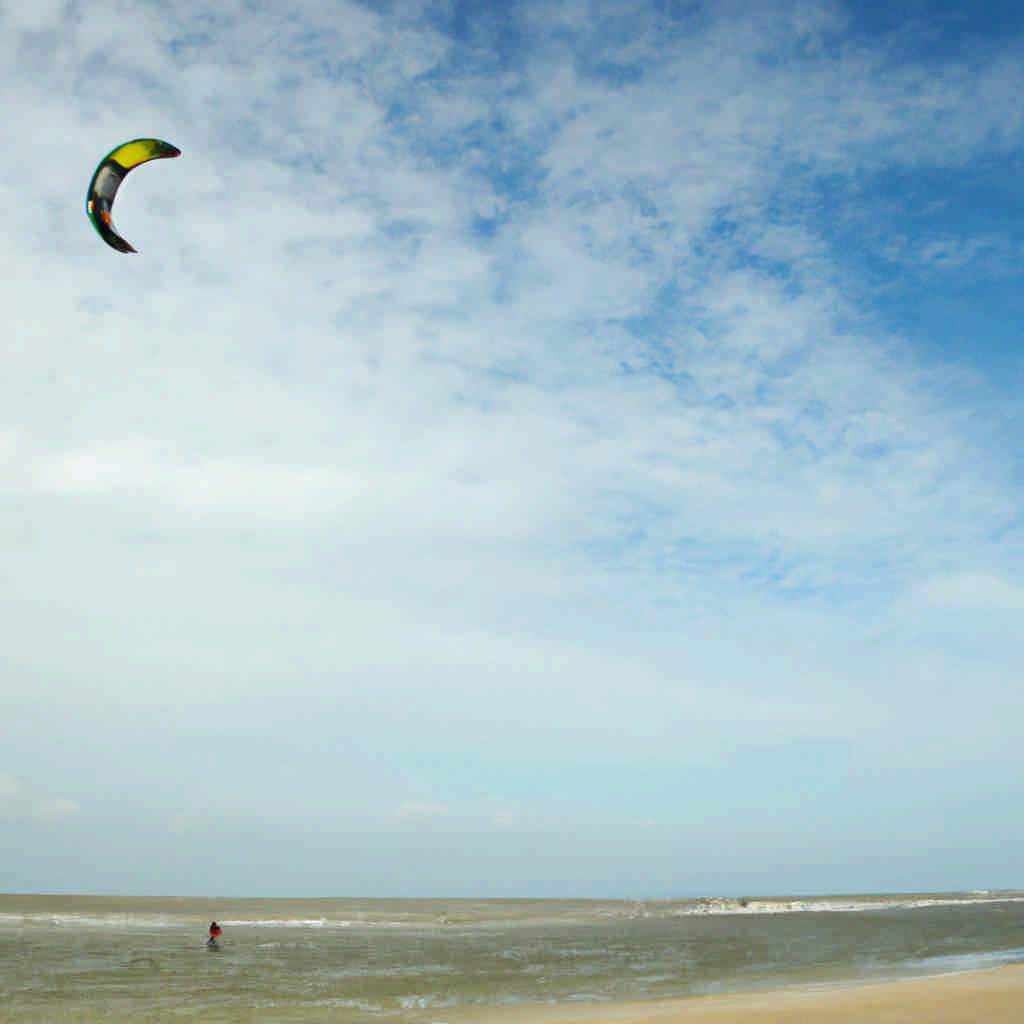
[{"x": 115, "y": 958}]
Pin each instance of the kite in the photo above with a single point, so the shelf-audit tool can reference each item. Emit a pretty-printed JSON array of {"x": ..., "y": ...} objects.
[{"x": 107, "y": 180}]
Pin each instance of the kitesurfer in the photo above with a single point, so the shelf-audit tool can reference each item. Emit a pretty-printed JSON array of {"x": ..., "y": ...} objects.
[{"x": 215, "y": 933}]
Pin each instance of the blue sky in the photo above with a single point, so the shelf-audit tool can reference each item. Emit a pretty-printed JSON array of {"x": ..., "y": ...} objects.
[{"x": 541, "y": 449}]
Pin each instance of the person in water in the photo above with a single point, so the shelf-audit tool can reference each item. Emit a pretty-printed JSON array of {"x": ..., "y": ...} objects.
[{"x": 215, "y": 934}]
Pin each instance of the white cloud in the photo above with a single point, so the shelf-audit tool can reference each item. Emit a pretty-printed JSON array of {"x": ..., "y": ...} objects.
[
  {"x": 973, "y": 590},
  {"x": 56, "y": 809},
  {"x": 428, "y": 381},
  {"x": 18, "y": 801},
  {"x": 10, "y": 790},
  {"x": 418, "y": 810}
]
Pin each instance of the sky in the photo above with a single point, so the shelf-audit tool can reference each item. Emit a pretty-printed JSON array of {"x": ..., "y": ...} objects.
[{"x": 541, "y": 449}]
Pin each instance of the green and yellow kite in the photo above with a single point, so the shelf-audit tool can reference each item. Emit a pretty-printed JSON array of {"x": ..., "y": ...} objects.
[{"x": 107, "y": 180}]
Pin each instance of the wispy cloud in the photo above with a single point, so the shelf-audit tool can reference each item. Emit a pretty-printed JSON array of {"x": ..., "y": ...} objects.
[
  {"x": 418, "y": 810},
  {"x": 19, "y": 801},
  {"x": 55, "y": 809},
  {"x": 973, "y": 589},
  {"x": 10, "y": 789}
]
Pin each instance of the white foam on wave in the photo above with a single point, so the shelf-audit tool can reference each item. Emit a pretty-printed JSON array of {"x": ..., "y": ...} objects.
[
  {"x": 482, "y": 916},
  {"x": 90, "y": 920},
  {"x": 432, "y": 1001},
  {"x": 351, "y": 1004},
  {"x": 824, "y": 904},
  {"x": 958, "y": 963},
  {"x": 287, "y": 922}
]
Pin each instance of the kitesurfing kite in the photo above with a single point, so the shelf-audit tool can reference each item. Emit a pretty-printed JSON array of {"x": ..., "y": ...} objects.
[{"x": 107, "y": 180}]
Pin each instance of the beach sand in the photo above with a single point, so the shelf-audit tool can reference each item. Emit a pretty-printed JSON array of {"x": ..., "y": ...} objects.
[{"x": 993, "y": 996}]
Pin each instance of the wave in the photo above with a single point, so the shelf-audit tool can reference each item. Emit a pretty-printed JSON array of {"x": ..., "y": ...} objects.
[
  {"x": 455, "y": 915},
  {"x": 958, "y": 963},
  {"x": 823, "y": 904},
  {"x": 90, "y": 920}
]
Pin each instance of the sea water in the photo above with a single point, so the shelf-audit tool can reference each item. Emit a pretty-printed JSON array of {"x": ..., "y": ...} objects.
[{"x": 83, "y": 959}]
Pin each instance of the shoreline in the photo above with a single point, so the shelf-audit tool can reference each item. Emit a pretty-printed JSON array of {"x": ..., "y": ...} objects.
[{"x": 995, "y": 995}]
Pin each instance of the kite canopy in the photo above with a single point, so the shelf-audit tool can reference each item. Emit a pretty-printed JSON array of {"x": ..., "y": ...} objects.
[{"x": 107, "y": 180}]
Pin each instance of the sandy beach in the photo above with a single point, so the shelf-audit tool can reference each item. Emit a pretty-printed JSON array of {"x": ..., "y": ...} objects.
[{"x": 994, "y": 996}]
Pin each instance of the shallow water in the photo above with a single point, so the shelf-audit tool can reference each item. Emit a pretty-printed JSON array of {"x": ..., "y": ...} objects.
[{"x": 115, "y": 958}]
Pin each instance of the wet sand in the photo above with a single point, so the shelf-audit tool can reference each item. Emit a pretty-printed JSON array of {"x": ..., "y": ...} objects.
[{"x": 993, "y": 996}]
